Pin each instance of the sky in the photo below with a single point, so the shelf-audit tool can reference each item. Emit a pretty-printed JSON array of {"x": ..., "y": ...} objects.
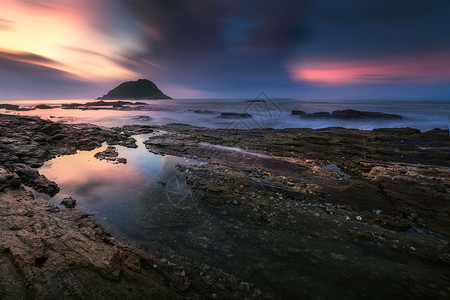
[{"x": 356, "y": 49}]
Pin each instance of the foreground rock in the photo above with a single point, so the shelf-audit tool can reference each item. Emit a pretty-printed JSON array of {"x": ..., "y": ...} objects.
[
  {"x": 69, "y": 202},
  {"x": 49, "y": 253},
  {"x": 140, "y": 89},
  {"x": 362, "y": 203},
  {"x": 380, "y": 165},
  {"x": 27, "y": 142},
  {"x": 346, "y": 114}
]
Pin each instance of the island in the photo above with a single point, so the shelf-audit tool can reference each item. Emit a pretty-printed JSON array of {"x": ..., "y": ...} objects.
[
  {"x": 139, "y": 89},
  {"x": 346, "y": 114}
]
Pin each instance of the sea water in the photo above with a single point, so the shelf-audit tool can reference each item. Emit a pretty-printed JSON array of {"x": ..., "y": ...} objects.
[
  {"x": 266, "y": 113},
  {"x": 148, "y": 204}
]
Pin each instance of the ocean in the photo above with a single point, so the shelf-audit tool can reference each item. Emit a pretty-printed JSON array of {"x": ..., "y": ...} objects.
[{"x": 272, "y": 113}]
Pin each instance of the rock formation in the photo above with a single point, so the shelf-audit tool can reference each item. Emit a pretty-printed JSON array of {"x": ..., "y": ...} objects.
[
  {"x": 140, "y": 89},
  {"x": 346, "y": 114}
]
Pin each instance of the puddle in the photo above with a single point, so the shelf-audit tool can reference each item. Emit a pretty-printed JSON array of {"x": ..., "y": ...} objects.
[
  {"x": 335, "y": 168},
  {"x": 235, "y": 149},
  {"x": 147, "y": 203}
]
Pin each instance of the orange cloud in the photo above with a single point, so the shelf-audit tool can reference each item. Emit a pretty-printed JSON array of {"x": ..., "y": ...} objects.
[
  {"x": 425, "y": 68},
  {"x": 52, "y": 29}
]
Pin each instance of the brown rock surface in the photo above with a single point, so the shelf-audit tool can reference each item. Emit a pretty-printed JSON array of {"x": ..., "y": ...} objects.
[{"x": 52, "y": 253}]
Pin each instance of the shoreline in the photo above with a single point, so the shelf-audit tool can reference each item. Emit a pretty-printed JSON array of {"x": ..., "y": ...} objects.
[
  {"x": 48, "y": 252},
  {"x": 286, "y": 175}
]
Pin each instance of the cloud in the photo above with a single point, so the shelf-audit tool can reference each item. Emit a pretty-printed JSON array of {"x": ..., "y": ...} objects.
[
  {"x": 25, "y": 80},
  {"x": 224, "y": 47},
  {"x": 349, "y": 11},
  {"x": 27, "y": 57},
  {"x": 423, "y": 68},
  {"x": 7, "y": 25},
  {"x": 216, "y": 45}
]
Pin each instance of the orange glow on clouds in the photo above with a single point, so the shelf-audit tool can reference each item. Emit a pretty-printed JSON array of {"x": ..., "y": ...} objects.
[
  {"x": 63, "y": 33},
  {"x": 417, "y": 69}
]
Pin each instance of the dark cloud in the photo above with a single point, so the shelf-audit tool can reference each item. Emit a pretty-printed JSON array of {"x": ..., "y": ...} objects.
[
  {"x": 376, "y": 10},
  {"x": 245, "y": 45},
  {"x": 374, "y": 28},
  {"x": 27, "y": 57},
  {"x": 239, "y": 48},
  {"x": 23, "y": 80},
  {"x": 213, "y": 45}
]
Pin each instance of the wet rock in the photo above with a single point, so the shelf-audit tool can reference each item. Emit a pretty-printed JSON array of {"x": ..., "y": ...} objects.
[
  {"x": 142, "y": 118},
  {"x": 52, "y": 129},
  {"x": 204, "y": 112},
  {"x": 355, "y": 114},
  {"x": 39, "y": 242},
  {"x": 298, "y": 113},
  {"x": 110, "y": 154},
  {"x": 8, "y": 179},
  {"x": 9, "y": 106},
  {"x": 43, "y": 106},
  {"x": 232, "y": 115},
  {"x": 256, "y": 101},
  {"x": 69, "y": 202},
  {"x": 348, "y": 114},
  {"x": 43, "y": 185}
]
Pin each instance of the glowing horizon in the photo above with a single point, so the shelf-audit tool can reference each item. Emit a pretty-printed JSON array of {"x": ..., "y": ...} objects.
[{"x": 58, "y": 49}]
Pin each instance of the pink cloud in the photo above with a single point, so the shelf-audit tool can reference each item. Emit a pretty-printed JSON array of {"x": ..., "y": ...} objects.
[{"x": 421, "y": 68}]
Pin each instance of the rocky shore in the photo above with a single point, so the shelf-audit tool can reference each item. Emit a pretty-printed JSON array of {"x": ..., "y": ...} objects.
[
  {"x": 329, "y": 212},
  {"x": 386, "y": 190},
  {"x": 49, "y": 252}
]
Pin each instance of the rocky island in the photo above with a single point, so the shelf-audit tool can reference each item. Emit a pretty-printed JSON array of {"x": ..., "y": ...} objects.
[
  {"x": 346, "y": 114},
  {"x": 135, "y": 90}
]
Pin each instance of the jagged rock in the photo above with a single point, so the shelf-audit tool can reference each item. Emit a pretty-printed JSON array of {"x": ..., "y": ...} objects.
[
  {"x": 43, "y": 106},
  {"x": 69, "y": 202},
  {"x": 348, "y": 114},
  {"x": 140, "y": 89},
  {"x": 204, "y": 112},
  {"x": 48, "y": 253},
  {"x": 9, "y": 106},
  {"x": 316, "y": 115},
  {"x": 8, "y": 179},
  {"x": 142, "y": 118},
  {"x": 298, "y": 113},
  {"x": 355, "y": 114},
  {"x": 110, "y": 154}
]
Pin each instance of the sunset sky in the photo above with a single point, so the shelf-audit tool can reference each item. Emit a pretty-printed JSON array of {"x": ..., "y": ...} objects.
[{"x": 59, "y": 49}]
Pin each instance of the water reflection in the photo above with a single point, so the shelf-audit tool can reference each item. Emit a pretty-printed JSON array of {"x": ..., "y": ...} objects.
[
  {"x": 116, "y": 193},
  {"x": 424, "y": 115},
  {"x": 301, "y": 252}
]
